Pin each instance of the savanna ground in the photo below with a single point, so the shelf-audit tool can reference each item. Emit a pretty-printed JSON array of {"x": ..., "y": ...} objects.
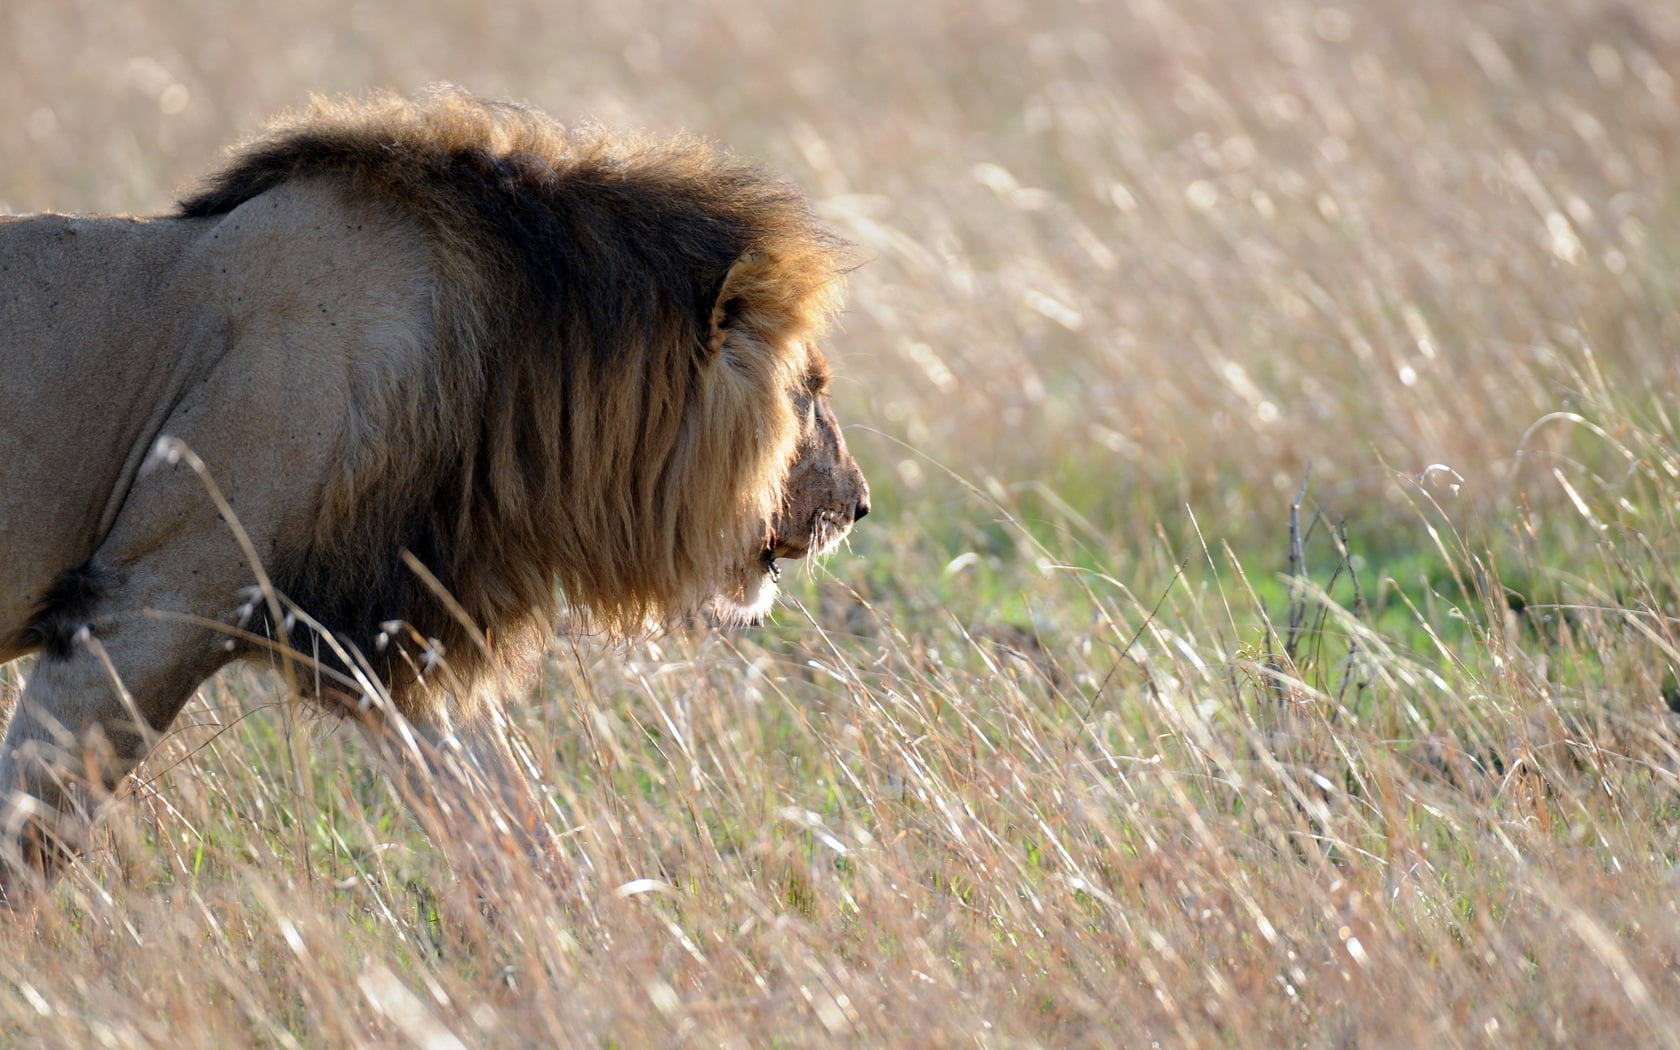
[{"x": 1088, "y": 739}]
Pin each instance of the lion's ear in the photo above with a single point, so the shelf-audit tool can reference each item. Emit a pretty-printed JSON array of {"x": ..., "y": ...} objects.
[{"x": 742, "y": 285}]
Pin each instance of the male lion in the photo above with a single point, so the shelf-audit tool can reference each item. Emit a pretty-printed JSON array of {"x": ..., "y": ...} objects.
[{"x": 388, "y": 380}]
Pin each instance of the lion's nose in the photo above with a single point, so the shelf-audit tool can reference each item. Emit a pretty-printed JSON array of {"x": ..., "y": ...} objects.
[{"x": 860, "y": 508}]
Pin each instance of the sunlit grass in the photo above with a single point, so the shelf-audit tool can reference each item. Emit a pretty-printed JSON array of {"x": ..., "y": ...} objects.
[{"x": 1088, "y": 738}]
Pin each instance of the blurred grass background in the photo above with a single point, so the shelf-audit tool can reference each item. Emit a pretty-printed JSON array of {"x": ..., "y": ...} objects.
[{"x": 1087, "y": 739}]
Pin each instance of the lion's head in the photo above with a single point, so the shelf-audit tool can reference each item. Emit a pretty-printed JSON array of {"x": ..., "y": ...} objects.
[
  {"x": 823, "y": 494},
  {"x": 624, "y": 397}
]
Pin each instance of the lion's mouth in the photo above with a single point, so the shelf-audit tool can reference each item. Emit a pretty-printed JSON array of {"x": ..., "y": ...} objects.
[{"x": 776, "y": 546}]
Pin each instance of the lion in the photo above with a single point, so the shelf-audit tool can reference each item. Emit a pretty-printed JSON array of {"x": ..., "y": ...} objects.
[{"x": 399, "y": 386}]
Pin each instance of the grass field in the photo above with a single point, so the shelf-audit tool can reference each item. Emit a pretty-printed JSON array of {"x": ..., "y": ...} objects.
[{"x": 1264, "y": 635}]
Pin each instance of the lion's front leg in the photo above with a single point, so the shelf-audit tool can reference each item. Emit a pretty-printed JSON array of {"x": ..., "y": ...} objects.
[{"x": 102, "y": 690}]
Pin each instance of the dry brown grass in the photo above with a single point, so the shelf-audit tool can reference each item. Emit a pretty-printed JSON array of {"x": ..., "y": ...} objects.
[{"x": 1040, "y": 762}]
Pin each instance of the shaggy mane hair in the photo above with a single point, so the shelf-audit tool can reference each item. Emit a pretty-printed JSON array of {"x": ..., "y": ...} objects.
[{"x": 618, "y": 326}]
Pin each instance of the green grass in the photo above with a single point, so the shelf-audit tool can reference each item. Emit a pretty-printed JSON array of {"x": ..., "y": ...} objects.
[{"x": 1038, "y": 759}]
